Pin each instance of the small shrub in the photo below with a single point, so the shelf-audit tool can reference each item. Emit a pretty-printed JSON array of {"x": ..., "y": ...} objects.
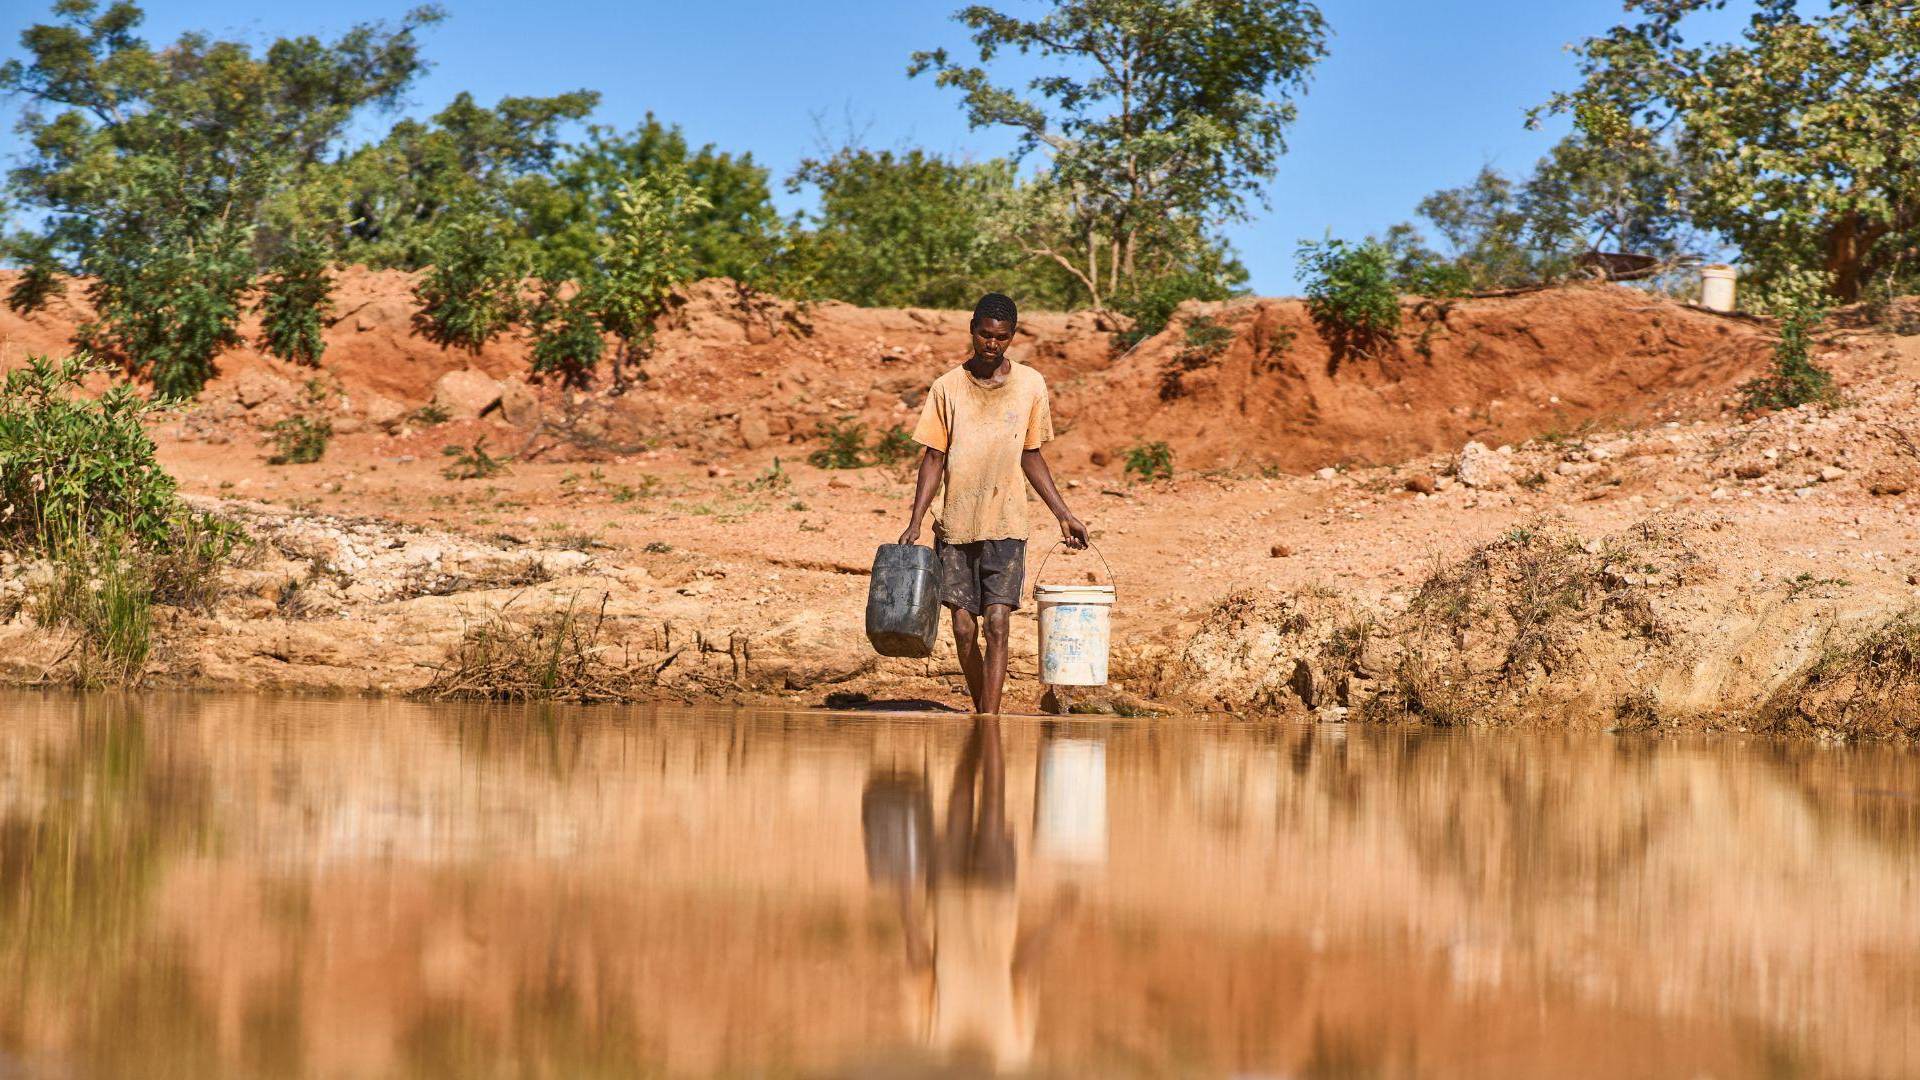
[
  {"x": 1794, "y": 379},
  {"x": 1152, "y": 307},
  {"x": 1350, "y": 292},
  {"x": 567, "y": 341},
  {"x": 846, "y": 445},
  {"x": 472, "y": 463},
  {"x": 300, "y": 440},
  {"x": 295, "y": 301},
  {"x": 774, "y": 479},
  {"x": 893, "y": 446},
  {"x": 646, "y": 485},
  {"x": 470, "y": 294},
  {"x": 186, "y": 569},
  {"x": 432, "y": 414},
  {"x": 72, "y": 468},
  {"x": 555, "y": 656},
  {"x": 1207, "y": 336},
  {"x": 1150, "y": 461}
]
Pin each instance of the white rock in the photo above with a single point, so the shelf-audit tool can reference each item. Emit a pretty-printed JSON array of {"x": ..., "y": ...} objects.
[
  {"x": 1599, "y": 453},
  {"x": 1829, "y": 474},
  {"x": 1480, "y": 468},
  {"x": 1327, "y": 473}
]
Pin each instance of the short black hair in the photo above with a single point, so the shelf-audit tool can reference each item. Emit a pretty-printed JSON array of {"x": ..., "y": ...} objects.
[{"x": 996, "y": 306}]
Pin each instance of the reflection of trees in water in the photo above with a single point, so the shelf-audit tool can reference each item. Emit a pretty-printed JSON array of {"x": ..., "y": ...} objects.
[
  {"x": 81, "y": 855},
  {"x": 1869, "y": 788}
]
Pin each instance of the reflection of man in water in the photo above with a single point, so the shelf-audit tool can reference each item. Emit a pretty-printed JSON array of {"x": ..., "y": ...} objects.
[{"x": 969, "y": 991}]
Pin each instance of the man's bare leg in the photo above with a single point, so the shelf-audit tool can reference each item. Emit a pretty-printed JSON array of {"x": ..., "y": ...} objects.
[
  {"x": 966, "y": 641},
  {"x": 994, "y": 676}
]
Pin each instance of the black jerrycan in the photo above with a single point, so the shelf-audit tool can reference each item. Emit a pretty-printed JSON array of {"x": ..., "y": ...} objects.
[{"x": 903, "y": 601}]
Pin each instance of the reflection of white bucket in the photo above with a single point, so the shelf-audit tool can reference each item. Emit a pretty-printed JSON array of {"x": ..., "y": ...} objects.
[
  {"x": 1070, "y": 812},
  {"x": 1074, "y": 631},
  {"x": 1716, "y": 287}
]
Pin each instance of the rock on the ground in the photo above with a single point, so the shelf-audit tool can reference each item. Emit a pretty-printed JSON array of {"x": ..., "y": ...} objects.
[
  {"x": 754, "y": 431},
  {"x": 257, "y": 388},
  {"x": 384, "y": 412},
  {"x": 467, "y": 393},
  {"x": 519, "y": 405},
  {"x": 1480, "y": 468}
]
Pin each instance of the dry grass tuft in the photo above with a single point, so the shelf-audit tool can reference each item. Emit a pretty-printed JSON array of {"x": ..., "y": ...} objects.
[
  {"x": 1869, "y": 689},
  {"x": 557, "y": 656}
]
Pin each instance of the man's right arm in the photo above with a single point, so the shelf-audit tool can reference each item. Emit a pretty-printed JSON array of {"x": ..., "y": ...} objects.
[{"x": 932, "y": 464}]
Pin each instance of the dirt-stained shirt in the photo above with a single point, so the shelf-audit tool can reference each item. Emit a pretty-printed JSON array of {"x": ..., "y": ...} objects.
[{"x": 983, "y": 430}]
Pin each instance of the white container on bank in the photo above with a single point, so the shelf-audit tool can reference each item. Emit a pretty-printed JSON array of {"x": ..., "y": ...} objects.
[
  {"x": 1075, "y": 631},
  {"x": 1717, "y": 287}
]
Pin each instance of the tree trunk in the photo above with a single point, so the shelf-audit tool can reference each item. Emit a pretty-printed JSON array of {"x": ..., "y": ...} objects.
[{"x": 1848, "y": 243}]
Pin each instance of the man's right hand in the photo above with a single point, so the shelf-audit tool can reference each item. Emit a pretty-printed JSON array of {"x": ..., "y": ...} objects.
[{"x": 912, "y": 535}]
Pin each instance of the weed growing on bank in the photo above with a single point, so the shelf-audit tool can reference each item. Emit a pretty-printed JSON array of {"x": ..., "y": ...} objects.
[
  {"x": 472, "y": 462},
  {"x": 1149, "y": 461},
  {"x": 846, "y": 446}
]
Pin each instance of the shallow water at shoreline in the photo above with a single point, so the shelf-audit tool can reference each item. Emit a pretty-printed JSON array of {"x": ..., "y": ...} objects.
[{"x": 251, "y": 886}]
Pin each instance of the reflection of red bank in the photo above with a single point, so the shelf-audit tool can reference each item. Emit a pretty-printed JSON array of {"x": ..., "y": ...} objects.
[{"x": 1070, "y": 805}]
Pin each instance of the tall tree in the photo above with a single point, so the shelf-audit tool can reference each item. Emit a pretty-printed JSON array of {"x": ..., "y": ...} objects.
[
  {"x": 1802, "y": 129},
  {"x": 1161, "y": 118},
  {"x": 158, "y": 171}
]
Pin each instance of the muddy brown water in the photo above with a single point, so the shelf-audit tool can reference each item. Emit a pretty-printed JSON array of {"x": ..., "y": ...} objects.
[{"x": 202, "y": 886}]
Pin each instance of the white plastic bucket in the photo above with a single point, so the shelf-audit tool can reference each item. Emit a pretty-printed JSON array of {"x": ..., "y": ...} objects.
[
  {"x": 1717, "y": 287},
  {"x": 1075, "y": 629}
]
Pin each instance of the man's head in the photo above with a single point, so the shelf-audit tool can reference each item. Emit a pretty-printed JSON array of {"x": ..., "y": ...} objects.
[{"x": 994, "y": 319}]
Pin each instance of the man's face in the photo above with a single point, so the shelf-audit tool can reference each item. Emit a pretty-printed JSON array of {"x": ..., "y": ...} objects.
[{"x": 991, "y": 337}]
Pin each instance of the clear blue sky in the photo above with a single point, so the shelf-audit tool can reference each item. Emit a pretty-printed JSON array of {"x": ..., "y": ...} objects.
[{"x": 1415, "y": 94}]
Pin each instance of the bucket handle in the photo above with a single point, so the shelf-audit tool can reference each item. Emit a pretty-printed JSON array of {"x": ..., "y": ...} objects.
[{"x": 1057, "y": 545}]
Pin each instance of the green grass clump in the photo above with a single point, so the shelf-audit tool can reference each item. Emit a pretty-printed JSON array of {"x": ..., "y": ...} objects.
[
  {"x": 1149, "y": 461},
  {"x": 300, "y": 440},
  {"x": 846, "y": 445}
]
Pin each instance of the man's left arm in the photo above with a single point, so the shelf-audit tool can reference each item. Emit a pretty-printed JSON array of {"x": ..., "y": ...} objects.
[{"x": 1034, "y": 463}]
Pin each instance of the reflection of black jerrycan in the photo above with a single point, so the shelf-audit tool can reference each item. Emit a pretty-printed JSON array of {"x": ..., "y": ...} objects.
[{"x": 903, "y": 601}]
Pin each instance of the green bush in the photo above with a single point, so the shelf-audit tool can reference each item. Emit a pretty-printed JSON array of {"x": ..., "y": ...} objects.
[
  {"x": 893, "y": 446},
  {"x": 295, "y": 301},
  {"x": 1153, "y": 306},
  {"x": 166, "y": 306},
  {"x": 300, "y": 440},
  {"x": 1150, "y": 461},
  {"x": 567, "y": 340},
  {"x": 1206, "y": 336},
  {"x": 72, "y": 468},
  {"x": 471, "y": 293},
  {"x": 846, "y": 445},
  {"x": 1350, "y": 292},
  {"x": 1794, "y": 379}
]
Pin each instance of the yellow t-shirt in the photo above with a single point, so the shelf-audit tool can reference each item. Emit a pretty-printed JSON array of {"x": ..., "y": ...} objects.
[{"x": 983, "y": 430}]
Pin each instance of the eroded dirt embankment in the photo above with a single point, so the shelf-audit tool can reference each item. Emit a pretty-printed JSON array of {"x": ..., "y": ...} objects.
[{"x": 1569, "y": 520}]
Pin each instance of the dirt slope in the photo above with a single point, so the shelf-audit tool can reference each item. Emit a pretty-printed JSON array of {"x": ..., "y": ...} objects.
[{"x": 728, "y": 361}]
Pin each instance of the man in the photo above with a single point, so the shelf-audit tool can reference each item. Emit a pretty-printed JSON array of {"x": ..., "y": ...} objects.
[{"x": 983, "y": 426}]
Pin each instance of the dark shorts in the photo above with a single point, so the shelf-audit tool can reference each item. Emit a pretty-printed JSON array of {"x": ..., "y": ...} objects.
[{"x": 985, "y": 572}]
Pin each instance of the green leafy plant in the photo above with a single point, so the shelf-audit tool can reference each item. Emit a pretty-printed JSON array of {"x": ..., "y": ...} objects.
[
  {"x": 774, "y": 479},
  {"x": 846, "y": 445},
  {"x": 1149, "y": 461},
  {"x": 567, "y": 342},
  {"x": 1207, "y": 336},
  {"x": 893, "y": 446},
  {"x": 70, "y": 466},
  {"x": 100, "y": 589},
  {"x": 1794, "y": 378},
  {"x": 295, "y": 301},
  {"x": 1151, "y": 305},
  {"x": 472, "y": 463},
  {"x": 643, "y": 254},
  {"x": 432, "y": 414},
  {"x": 300, "y": 440},
  {"x": 471, "y": 292},
  {"x": 1350, "y": 293}
]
